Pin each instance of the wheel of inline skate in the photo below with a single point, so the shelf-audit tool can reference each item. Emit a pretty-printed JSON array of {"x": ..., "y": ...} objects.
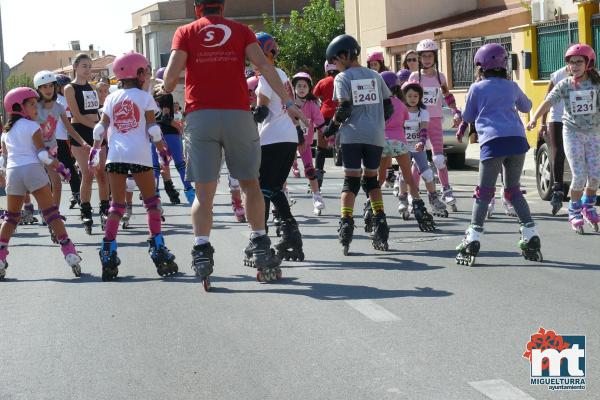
[
  {"x": 406, "y": 216},
  {"x": 206, "y": 284},
  {"x": 301, "y": 256},
  {"x": 454, "y": 208},
  {"x": 471, "y": 261},
  {"x": 579, "y": 230},
  {"x": 385, "y": 247},
  {"x": 539, "y": 256},
  {"x": 88, "y": 229},
  {"x": 596, "y": 227},
  {"x": 346, "y": 250},
  {"x": 76, "y": 270},
  {"x": 162, "y": 218},
  {"x": 260, "y": 277},
  {"x": 445, "y": 213}
]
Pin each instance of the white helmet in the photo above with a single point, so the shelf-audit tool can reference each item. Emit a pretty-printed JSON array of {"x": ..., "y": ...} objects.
[
  {"x": 427, "y": 45},
  {"x": 43, "y": 77}
]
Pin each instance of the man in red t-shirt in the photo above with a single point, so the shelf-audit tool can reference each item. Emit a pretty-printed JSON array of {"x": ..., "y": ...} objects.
[
  {"x": 213, "y": 52},
  {"x": 324, "y": 91}
]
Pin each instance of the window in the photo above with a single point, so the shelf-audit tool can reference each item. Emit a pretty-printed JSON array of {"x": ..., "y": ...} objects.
[
  {"x": 463, "y": 52},
  {"x": 153, "y": 55},
  {"x": 553, "y": 39}
]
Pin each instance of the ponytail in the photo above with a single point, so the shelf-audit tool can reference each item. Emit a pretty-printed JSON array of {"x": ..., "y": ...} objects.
[
  {"x": 12, "y": 120},
  {"x": 594, "y": 76}
]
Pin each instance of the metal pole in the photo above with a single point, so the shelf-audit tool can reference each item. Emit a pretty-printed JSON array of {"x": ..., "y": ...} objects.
[
  {"x": 2, "y": 77},
  {"x": 274, "y": 15}
]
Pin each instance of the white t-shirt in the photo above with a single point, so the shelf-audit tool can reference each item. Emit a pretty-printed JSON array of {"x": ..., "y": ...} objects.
[
  {"x": 19, "y": 143},
  {"x": 412, "y": 126},
  {"x": 278, "y": 126},
  {"x": 61, "y": 131},
  {"x": 128, "y": 139},
  {"x": 557, "y": 110}
]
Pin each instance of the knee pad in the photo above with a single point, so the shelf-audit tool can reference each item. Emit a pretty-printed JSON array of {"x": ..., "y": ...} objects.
[
  {"x": 369, "y": 183},
  {"x": 310, "y": 172},
  {"x": 428, "y": 176},
  {"x": 485, "y": 194},
  {"x": 513, "y": 193},
  {"x": 51, "y": 214},
  {"x": 440, "y": 161},
  {"x": 234, "y": 184},
  {"x": 351, "y": 185},
  {"x": 117, "y": 209},
  {"x": 152, "y": 203},
  {"x": 130, "y": 184},
  {"x": 11, "y": 217}
]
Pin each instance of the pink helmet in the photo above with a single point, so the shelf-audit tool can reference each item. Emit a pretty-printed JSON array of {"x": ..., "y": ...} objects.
[
  {"x": 375, "y": 56},
  {"x": 582, "y": 50},
  {"x": 18, "y": 96},
  {"x": 128, "y": 65},
  {"x": 302, "y": 75},
  {"x": 252, "y": 83},
  {"x": 491, "y": 56},
  {"x": 330, "y": 67}
]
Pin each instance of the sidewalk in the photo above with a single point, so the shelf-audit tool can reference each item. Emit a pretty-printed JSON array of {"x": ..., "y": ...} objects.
[{"x": 472, "y": 159}]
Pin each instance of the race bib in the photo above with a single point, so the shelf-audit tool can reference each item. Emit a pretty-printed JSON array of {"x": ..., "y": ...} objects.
[
  {"x": 430, "y": 96},
  {"x": 412, "y": 131},
  {"x": 365, "y": 91},
  {"x": 583, "y": 102},
  {"x": 90, "y": 100}
]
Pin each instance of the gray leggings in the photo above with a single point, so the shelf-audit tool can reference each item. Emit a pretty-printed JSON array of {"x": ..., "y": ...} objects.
[{"x": 488, "y": 175}]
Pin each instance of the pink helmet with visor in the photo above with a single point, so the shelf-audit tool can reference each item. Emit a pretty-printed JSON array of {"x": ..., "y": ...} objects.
[
  {"x": 582, "y": 50},
  {"x": 18, "y": 96},
  {"x": 302, "y": 75},
  {"x": 128, "y": 65}
]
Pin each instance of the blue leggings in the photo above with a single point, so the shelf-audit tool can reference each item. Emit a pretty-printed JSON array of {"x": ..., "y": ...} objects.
[{"x": 176, "y": 149}]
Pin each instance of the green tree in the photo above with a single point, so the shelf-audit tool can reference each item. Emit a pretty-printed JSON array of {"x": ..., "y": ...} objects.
[
  {"x": 303, "y": 40},
  {"x": 14, "y": 81}
]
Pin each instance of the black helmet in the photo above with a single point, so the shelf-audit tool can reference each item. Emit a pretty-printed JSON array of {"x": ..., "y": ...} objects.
[
  {"x": 342, "y": 44},
  {"x": 207, "y": 2}
]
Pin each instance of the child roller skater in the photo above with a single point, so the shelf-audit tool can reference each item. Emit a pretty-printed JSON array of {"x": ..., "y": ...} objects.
[
  {"x": 364, "y": 106},
  {"x": 307, "y": 102},
  {"x": 25, "y": 157},
  {"x": 397, "y": 147},
  {"x": 581, "y": 132},
  {"x": 129, "y": 120},
  {"x": 492, "y": 104}
]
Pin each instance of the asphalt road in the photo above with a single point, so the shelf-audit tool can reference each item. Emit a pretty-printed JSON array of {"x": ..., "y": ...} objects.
[{"x": 406, "y": 324}]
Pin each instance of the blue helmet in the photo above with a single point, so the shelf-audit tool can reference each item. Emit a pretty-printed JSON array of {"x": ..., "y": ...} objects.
[
  {"x": 267, "y": 44},
  {"x": 62, "y": 80}
]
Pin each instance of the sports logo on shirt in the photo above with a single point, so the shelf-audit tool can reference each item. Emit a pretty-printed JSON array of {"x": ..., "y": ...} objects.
[
  {"x": 48, "y": 128},
  {"x": 126, "y": 116},
  {"x": 214, "y": 35}
]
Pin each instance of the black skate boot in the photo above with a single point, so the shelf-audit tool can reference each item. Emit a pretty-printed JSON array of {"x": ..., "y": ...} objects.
[
  {"x": 203, "y": 263},
  {"x": 86, "y": 217},
  {"x": 368, "y": 216},
  {"x": 556, "y": 201},
  {"x": 103, "y": 211},
  {"x": 259, "y": 255},
  {"x": 74, "y": 200},
  {"x": 290, "y": 245},
  {"x": 110, "y": 261},
  {"x": 161, "y": 256},
  {"x": 346, "y": 230},
  {"x": 424, "y": 219},
  {"x": 172, "y": 193},
  {"x": 277, "y": 221},
  {"x": 381, "y": 232}
]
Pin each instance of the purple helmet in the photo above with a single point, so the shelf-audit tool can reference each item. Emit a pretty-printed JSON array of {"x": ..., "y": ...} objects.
[
  {"x": 390, "y": 79},
  {"x": 403, "y": 75},
  {"x": 491, "y": 56},
  {"x": 160, "y": 73}
]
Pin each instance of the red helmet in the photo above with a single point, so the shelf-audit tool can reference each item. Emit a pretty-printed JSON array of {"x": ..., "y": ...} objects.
[
  {"x": 128, "y": 65},
  {"x": 18, "y": 96},
  {"x": 582, "y": 50}
]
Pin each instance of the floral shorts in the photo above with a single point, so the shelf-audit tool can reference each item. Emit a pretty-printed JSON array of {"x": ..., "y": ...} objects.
[
  {"x": 124, "y": 168},
  {"x": 394, "y": 148}
]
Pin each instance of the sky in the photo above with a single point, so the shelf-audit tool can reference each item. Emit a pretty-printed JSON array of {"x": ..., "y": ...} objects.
[{"x": 39, "y": 25}]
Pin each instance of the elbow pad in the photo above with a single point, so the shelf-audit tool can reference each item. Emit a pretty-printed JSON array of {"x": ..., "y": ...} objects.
[
  {"x": 45, "y": 157},
  {"x": 99, "y": 131},
  {"x": 450, "y": 99},
  {"x": 423, "y": 135},
  {"x": 260, "y": 113},
  {"x": 388, "y": 109},
  {"x": 343, "y": 111},
  {"x": 331, "y": 129},
  {"x": 155, "y": 133}
]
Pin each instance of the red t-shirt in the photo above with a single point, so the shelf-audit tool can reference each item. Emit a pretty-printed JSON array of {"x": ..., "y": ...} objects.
[
  {"x": 324, "y": 90},
  {"x": 215, "y": 69}
]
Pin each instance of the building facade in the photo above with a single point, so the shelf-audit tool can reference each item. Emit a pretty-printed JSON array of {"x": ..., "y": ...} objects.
[{"x": 47, "y": 60}]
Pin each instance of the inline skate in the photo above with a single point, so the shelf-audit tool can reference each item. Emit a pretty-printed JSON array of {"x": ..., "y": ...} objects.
[
  {"x": 85, "y": 210},
  {"x": 318, "y": 204},
  {"x": 277, "y": 222},
  {"x": 403, "y": 207},
  {"x": 424, "y": 219},
  {"x": 172, "y": 192},
  {"x": 203, "y": 263},
  {"x": 381, "y": 232},
  {"x": 589, "y": 212},
  {"x": 71, "y": 257},
  {"x": 74, "y": 201},
  {"x": 449, "y": 199},
  {"x": 346, "y": 230},
  {"x": 556, "y": 201},
  {"x": 190, "y": 195},
  {"x": 238, "y": 209},
  {"x": 104, "y": 207},
  {"x": 163, "y": 259},
  {"x": 3, "y": 262},
  {"x": 576, "y": 216},
  {"x": 530, "y": 243},
  {"x": 110, "y": 261},
  {"x": 468, "y": 249},
  {"x": 27, "y": 215},
  {"x": 126, "y": 220},
  {"x": 290, "y": 245},
  {"x": 438, "y": 207},
  {"x": 258, "y": 254},
  {"x": 368, "y": 216},
  {"x": 491, "y": 207},
  {"x": 390, "y": 178}
]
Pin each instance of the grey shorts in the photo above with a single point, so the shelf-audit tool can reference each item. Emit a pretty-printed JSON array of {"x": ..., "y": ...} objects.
[
  {"x": 27, "y": 178},
  {"x": 211, "y": 133}
]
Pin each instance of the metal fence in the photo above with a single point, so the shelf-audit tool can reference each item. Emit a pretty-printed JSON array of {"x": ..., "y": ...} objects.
[
  {"x": 462, "y": 53},
  {"x": 553, "y": 39},
  {"x": 596, "y": 34}
]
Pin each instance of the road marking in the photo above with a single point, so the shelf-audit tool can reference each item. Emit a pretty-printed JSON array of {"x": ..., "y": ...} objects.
[
  {"x": 372, "y": 310},
  {"x": 498, "y": 389}
]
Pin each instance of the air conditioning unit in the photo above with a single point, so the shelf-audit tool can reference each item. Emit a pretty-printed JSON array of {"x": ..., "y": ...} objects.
[{"x": 542, "y": 10}]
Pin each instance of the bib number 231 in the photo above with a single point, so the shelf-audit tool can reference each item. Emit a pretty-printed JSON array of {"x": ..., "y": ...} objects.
[
  {"x": 583, "y": 102},
  {"x": 365, "y": 91}
]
